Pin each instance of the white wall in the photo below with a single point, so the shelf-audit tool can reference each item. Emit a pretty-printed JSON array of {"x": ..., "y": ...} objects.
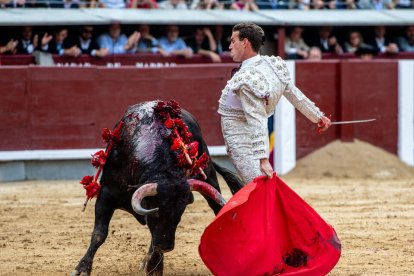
[
  {"x": 285, "y": 132},
  {"x": 406, "y": 111}
]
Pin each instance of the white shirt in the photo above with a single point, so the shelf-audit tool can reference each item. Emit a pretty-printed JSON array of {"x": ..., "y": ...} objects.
[
  {"x": 381, "y": 44},
  {"x": 325, "y": 44}
]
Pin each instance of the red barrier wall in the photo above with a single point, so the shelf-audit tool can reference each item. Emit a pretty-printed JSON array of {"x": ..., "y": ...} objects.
[
  {"x": 146, "y": 58},
  {"x": 122, "y": 59},
  {"x": 56, "y": 108},
  {"x": 372, "y": 89},
  {"x": 320, "y": 82},
  {"x": 67, "y": 107},
  {"x": 350, "y": 90},
  {"x": 14, "y": 111}
]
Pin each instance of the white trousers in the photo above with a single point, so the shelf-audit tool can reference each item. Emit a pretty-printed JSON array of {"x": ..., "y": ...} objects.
[{"x": 237, "y": 137}]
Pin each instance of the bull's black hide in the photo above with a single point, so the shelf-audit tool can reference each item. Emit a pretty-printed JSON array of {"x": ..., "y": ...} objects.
[{"x": 143, "y": 156}]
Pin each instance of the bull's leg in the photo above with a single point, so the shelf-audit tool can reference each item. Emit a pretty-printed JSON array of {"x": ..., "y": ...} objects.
[
  {"x": 104, "y": 209},
  {"x": 153, "y": 263},
  {"x": 232, "y": 180}
]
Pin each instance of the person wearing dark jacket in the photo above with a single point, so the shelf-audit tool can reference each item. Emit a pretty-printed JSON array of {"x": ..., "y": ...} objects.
[
  {"x": 87, "y": 44},
  {"x": 28, "y": 42},
  {"x": 381, "y": 43},
  {"x": 58, "y": 44},
  {"x": 327, "y": 42}
]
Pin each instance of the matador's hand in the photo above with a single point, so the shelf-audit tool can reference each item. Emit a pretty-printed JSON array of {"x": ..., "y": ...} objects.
[
  {"x": 323, "y": 124},
  {"x": 266, "y": 167}
]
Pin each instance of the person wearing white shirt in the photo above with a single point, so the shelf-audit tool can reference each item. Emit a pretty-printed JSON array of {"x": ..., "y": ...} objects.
[{"x": 173, "y": 5}]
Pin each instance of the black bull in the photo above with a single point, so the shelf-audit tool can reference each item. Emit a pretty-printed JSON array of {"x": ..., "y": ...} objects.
[{"x": 141, "y": 177}]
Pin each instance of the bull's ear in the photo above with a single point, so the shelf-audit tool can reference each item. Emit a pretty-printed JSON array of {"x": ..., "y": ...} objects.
[{"x": 189, "y": 198}]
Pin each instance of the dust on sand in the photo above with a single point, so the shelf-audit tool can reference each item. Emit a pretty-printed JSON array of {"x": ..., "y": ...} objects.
[{"x": 364, "y": 192}]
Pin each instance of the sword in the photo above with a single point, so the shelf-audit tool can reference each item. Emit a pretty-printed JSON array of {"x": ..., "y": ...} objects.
[{"x": 352, "y": 122}]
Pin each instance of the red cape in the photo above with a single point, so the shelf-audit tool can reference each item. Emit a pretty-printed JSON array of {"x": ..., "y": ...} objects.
[{"x": 267, "y": 229}]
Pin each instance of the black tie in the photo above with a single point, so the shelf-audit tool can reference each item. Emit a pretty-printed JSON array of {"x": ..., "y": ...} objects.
[{"x": 235, "y": 70}]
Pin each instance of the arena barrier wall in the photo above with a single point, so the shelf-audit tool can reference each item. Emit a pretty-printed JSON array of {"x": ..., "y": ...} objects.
[{"x": 45, "y": 109}]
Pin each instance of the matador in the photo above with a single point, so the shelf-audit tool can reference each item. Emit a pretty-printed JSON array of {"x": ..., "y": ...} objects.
[{"x": 250, "y": 98}]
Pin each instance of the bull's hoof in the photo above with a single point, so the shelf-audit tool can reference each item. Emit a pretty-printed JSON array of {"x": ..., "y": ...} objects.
[
  {"x": 77, "y": 273},
  {"x": 153, "y": 264}
]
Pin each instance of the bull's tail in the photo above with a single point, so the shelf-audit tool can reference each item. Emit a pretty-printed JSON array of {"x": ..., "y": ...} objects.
[{"x": 232, "y": 180}]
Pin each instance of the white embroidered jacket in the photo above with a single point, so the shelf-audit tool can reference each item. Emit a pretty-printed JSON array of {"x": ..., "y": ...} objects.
[{"x": 253, "y": 93}]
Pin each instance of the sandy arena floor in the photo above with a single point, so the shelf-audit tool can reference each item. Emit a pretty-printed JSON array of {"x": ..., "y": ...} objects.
[{"x": 366, "y": 194}]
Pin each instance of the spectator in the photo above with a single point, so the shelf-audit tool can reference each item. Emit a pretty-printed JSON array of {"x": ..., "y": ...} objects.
[
  {"x": 327, "y": 42},
  {"x": 376, "y": 4},
  {"x": 58, "y": 44},
  {"x": 10, "y": 47},
  {"x": 172, "y": 44},
  {"x": 66, "y": 4},
  {"x": 355, "y": 41},
  {"x": 404, "y": 4},
  {"x": 116, "y": 42},
  {"x": 202, "y": 42},
  {"x": 295, "y": 46},
  {"x": 90, "y": 4},
  {"x": 346, "y": 4},
  {"x": 244, "y": 5},
  {"x": 222, "y": 42},
  {"x": 303, "y": 4},
  {"x": 365, "y": 53},
  {"x": 315, "y": 54},
  {"x": 87, "y": 45},
  {"x": 143, "y": 4},
  {"x": 275, "y": 4},
  {"x": 381, "y": 43},
  {"x": 37, "y": 4},
  {"x": 406, "y": 43},
  {"x": 206, "y": 5},
  {"x": 148, "y": 43},
  {"x": 112, "y": 4},
  {"x": 28, "y": 42},
  {"x": 12, "y": 3},
  {"x": 323, "y": 4},
  {"x": 173, "y": 5}
]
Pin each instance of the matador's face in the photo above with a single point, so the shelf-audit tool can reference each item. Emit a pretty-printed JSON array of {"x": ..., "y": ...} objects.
[{"x": 237, "y": 47}]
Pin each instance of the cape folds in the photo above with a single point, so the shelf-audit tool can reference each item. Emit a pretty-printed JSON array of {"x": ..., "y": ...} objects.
[{"x": 267, "y": 229}]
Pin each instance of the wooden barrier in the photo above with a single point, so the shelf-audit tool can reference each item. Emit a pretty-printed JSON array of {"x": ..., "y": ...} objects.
[
  {"x": 320, "y": 82},
  {"x": 147, "y": 59},
  {"x": 350, "y": 90},
  {"x": 66, "y": 108},
  {"x": 50, "y": 108}
]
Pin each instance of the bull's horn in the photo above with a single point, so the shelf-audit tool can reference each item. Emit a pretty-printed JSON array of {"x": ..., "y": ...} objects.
[
  {"x": 149, "y": 189},
  {"x": 207, "y": 190}
]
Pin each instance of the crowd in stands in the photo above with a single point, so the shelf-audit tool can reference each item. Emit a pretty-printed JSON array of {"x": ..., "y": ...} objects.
[
  {"x": 378, "y": 42},
  {"x": 114, "y": 41},
  {"x": 242, "y": 5},
  {"x": 211, "y": 42}
]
